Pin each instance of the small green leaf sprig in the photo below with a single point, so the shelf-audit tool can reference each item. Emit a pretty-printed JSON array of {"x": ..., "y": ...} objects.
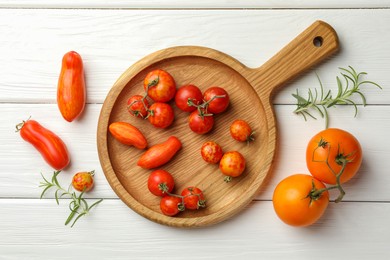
[
  {"x": 320, "y": 101},
  {"x": 78, "y": 205}
]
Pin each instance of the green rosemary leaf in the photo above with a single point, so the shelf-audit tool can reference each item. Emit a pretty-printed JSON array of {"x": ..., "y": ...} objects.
[
  {"x": 354, "y": 105},
  {"x": 44, "y": 191},
  {"x": 370, "y": 82},
  {"x": 56, "y": 196},
  {"x": 94, "y": 204},
  {"x": 363, "y": 97},
  {"x": 78, "y": 217},
  {"x": 71, "y": 215},
  {"x": 340, "y": 87}
]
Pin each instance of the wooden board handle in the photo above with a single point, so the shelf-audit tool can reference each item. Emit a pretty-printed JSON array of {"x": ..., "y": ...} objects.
[{"x": 313, "y": 45}]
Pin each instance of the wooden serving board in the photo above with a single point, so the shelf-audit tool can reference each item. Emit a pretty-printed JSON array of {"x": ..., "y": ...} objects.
[{"x": 250, "y": 91}]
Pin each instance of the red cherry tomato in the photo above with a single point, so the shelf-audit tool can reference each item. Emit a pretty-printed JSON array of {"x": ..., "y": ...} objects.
[
  {"x": 232, "y": 164},
  {"x": 161, "y": 115},
  {"x": 71, "y": 91},
  {"x": 160, "y": 154},
  {"x": 128, "y": 134},
  {"x": 83, "y": 181},
  {"x": 51, "y": 147},
  {"x": 193, "y": 198},
  {"x": 218, "y": 98},
  {"x": 171, "y": 205},
  {"x": 186, "y": 94},
  {"x": 138, "y": 106},
  {"x": 241, "y": 131},
  {"x": 160, "y": 85},
  {"x": 200, "y": 124},
  {"x": 160, "y": 182},
  {"x": 211, "y": 152}
]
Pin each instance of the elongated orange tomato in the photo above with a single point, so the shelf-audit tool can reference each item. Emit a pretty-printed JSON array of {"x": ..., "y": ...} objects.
[
  {"x": 128, "y": 134},
  {"x": 51, "y": 147},
  {"x": 71, "y": 91},
  {"x": 160, "y": 154}
]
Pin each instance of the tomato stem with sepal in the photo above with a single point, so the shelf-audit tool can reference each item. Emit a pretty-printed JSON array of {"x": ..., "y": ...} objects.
[{"x": 202, "y": 108}]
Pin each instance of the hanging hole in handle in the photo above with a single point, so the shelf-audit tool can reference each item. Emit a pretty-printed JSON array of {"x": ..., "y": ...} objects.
[{"x": 318, "y": 41}]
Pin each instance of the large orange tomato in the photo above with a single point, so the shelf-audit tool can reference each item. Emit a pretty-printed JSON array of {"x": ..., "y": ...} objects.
[
  {"x": 328, "y": 150},
  {"x": 71, "y": 91},
  {"x": 295, "y": 201}
]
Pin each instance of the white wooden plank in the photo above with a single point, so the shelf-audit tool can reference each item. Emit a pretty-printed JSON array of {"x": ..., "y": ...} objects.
[
  {"x": 33, "y": 42},
  {"x": 21, "y": 164},
  {"x": 298, "y": 4},
  {"x": 35, "y": 230}
]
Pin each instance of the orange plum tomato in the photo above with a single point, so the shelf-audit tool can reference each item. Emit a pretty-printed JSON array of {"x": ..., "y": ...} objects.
[
  {"x": 328, "y": 150},
  {"x": 295, "y": 203}
]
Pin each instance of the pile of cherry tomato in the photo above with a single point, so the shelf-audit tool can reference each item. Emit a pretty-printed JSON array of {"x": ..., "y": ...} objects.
[
  {"x": 155, "y": 106},
  {"x": 333, "y": 157}
]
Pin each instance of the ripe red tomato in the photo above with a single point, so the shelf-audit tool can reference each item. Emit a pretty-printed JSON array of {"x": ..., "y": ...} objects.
[
  {"x": 333, "y": 146},
  {"x": 241, "y": 131},
  {"x": 171, "y": 205},
  {"x": 232, "y": 164},
  {"x": 211, "y": 152},
  {"x": 161, "y": 115},
  {"x": 218, "y": 98},
  {"x": 51, "y": 147},
  {"x": 138, "y": 106},
  {"x": 293, "y": 202},
  {"x": 186, "y": 93},
  {"x": 83, "y": 181},
  {"x": 193, "y": 198},
  {"x": 160, "y": 85},
  {"x": 128, "y": 134},
  {"x": 71, "y": 91},
  {"x": 160, "y": 154},
  {"x": 160, "y": 182},
  {"x": 200, "y": 124}
]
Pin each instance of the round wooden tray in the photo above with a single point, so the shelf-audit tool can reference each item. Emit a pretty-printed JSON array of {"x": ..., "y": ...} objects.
[{"x": 250, "y": 91}]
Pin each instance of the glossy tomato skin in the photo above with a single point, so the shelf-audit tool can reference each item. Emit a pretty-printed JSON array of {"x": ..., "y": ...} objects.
[
  {"x": 211, "y": 152},
  {"x": 50, "y": 145},
  {"x": 138, "y": 106},
  {"x": 193, "y": 198},
  {"x": 158, "y": 178},
  {"x": 71, "y": 90},
  {"x": 160, "y": 85},
  {"x": 232, "y": 164},
  {"x": 83, "y": 181},
  {"x": 128, "y": 134},
  {"x": 241, "y": 131},
  {"x": 160, "y": 154},
  {"x": 292, "y": 204},
  {"x": 332, "y": 144},
  {"x": 185, "y": 93},
  {"x": 218, "y": 105},
  {"x": 171, "y": 205},
  {"x": 162, "y": 115},
  {"x": 200, "y": 125}
]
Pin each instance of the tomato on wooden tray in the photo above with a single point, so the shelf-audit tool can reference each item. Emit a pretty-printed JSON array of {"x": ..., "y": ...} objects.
[
  {"x": 328, "y": 150},
  {"x": 160, "y": 154},
  {"x": 218, "y": 99},
  {"x": 160, "y": 182},
  {"x": 187, "y": 95},
  {"x": 211, "y": 152},
  {"x": 241, "y": 131},
  {"x": 138, "y": 106},
  {"x": 193, "y": 198},
  {"x": 71, "y": 91},
  {"x": 160, "y": 85},
  {"x": 232, "y": 164},
  {"x": 161, "y": 115},
  {"x": 50, "y": 145},
  {"x": 200, "y": 124},
  {"x": 295, "y": 201},
  {"x": 128, "y": 134},
  {"x": 171, "y": 205}
]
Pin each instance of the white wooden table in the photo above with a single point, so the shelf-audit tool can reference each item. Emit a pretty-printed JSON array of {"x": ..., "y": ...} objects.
[{"x": 111, "y": 36}]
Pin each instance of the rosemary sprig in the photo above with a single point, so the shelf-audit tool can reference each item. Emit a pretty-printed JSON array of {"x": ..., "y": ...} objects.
[
  {"x": 348, "y": 85},
  {"x": 78, "y": 205}
]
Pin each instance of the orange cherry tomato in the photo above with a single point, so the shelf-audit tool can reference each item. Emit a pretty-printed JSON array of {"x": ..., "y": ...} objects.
[
  {"x": 211, "y": 152},
  {"x": 160, "y": 154},
  {"x": 128, "y": 134},
  {"x": 294, "y": 205},
  {"x": 232, "y": 164},
  {"x": 83, "y": 181},
  {"x": 333, "y": 146},
  {"x": 71, "y": 91},
  {"x": 51, "y": 147},
  {"x": 160, "y": 85},
  {"x": 241, "y": 131}
]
